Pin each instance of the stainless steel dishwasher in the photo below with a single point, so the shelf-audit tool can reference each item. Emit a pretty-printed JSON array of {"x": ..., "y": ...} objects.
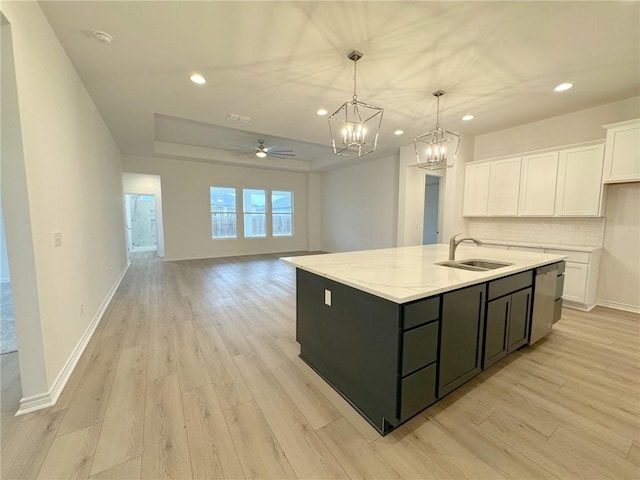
[{"x": 544, "y": 298}]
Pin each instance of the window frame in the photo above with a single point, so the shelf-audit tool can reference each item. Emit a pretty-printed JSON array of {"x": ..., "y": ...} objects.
[
  {"x": 235, "y": 212},
  {"x": 290, "y": 213},
  {"x": 265, "y": 214},
  {"x": 241, "y": 214}
]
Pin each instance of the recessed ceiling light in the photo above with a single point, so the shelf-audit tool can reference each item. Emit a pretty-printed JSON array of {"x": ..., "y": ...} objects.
[
  {"x": 197, "y": 78},
  {"x": 322, "y": 112},
  {"x": 466, "y": 118},
  {"x": 398, "y": 132},
  {"x": 563, "y": 87}
]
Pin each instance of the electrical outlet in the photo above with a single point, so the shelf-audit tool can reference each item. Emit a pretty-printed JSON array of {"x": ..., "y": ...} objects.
[
  {"x": 57, "y": 239},
  {"x": 327, "y": 297}
]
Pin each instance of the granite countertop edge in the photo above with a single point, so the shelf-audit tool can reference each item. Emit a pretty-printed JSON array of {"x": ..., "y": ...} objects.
[{"x": 405, "y": 274}]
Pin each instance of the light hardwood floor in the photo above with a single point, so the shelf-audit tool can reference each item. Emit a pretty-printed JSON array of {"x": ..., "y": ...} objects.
[{"x": 193, "y": 373}]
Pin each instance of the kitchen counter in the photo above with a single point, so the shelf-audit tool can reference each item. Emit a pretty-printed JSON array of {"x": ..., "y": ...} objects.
[
  {"x": 549, "y": 246},
  {"x": 405, "y": 274}
]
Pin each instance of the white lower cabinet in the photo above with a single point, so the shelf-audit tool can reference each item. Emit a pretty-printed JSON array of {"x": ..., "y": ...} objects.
[
  {"x": 580, "y": 276},
  {"x": 575, "y": 282}
]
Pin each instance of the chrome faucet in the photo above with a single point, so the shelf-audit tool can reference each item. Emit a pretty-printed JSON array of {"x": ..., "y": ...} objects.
[{"x": 453, "y": 244}]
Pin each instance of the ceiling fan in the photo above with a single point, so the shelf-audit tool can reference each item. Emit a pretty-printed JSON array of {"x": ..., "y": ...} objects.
[{"x": 262, "y": 151}]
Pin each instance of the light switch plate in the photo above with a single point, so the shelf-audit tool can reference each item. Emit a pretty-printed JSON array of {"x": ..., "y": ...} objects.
[
  {"x": 327, "y": 297},
  {"x": 57, "y": 239}
]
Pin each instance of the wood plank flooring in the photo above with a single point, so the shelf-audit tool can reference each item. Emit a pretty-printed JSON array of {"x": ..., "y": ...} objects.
[{"x": 193, "y": 373}]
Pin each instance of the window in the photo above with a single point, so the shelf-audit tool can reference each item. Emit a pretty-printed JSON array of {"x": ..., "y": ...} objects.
[
  {"x": 223, "y": 212},
  {"x": 254, "y": 209},
  {"x": 282, "y": 213}
]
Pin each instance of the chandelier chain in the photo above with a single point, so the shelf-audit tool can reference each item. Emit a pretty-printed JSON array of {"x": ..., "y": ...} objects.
[{"x": 355, "y": 96}]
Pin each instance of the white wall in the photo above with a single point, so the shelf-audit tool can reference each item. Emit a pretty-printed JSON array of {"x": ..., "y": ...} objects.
[
  {"x": 619, "y": 280},
  {"x": 187, "y": 210},
  {"x": 360, "y": 206},
  {"x": 73, "y": 186},
  {"x": 4, "y": 260},
  {"x": 314, "y": 211},
  {"x": 581, "y": 126},
  {"x": 148, "y": 185}
]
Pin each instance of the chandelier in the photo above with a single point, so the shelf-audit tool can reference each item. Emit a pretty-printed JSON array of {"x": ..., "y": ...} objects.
[
  {"x": 436, "y": 148},
  {"x": 355, "y": 125}
]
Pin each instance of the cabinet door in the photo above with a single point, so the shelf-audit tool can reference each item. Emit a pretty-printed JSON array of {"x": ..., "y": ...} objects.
[
  {"x": 476, "y": 190},
  {"x": 495, "y": 340},
  {"x": 622, "y": 153},
  {"x": 579, "y": 187},
  {"x": 575, "y": 282},
  {"x": 519, "y": 313},
  {"x": 538, "y": 185},
  {"x": 504, "y": 186},
  {"x": 462, "y": 331}
]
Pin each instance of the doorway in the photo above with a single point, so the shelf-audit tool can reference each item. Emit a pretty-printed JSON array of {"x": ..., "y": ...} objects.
[
  {"x": 431, "y": 220},
  {"x": 142, "y": 229},
  {"x": 8, "y": 340}
]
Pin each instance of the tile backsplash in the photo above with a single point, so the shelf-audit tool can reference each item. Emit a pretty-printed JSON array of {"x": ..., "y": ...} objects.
[{"x": 588, "y": 232}]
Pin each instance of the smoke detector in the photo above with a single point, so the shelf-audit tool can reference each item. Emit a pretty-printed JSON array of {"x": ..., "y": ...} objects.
[{"x": 102, "y": 37}]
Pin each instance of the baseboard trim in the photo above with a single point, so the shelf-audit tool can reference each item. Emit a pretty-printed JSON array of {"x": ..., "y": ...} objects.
[
  {"x": 48, "y": 399},
  {"x": 619, "y": 306},
  {"x": 577, "y": 306}
]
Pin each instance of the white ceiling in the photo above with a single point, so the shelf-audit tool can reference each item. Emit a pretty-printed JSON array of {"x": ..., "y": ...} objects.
[{"x": 278, "y": 62}]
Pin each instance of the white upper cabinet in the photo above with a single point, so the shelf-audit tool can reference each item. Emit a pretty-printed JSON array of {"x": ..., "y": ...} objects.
[
  {"x": 538, "y": 184},
  {"x": 579, "y": 186},
  {"x": 622, "y": 152},
  {"x": 504, "y": 187},
  {"x": 476, "y": 189}
]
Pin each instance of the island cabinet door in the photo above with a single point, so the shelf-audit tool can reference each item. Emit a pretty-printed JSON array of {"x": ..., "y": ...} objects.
[
  {"x": 462, "y": 331},
  {"x": 519, "y": 314},
  {"x": 495, "y": 341}
]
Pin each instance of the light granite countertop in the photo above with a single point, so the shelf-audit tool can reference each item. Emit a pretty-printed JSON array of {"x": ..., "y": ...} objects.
[
  {"x": 549, "y": 246},
  {"x": 404, "y": 274}
]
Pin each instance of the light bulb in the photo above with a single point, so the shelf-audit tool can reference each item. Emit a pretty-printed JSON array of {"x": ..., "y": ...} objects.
[
  {"x": 197, "y": 78},
  {"x": 563, "y": 87},
  {"x": 261, "y": 153}
]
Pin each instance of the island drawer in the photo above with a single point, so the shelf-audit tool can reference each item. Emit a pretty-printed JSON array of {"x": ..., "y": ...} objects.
[
  {"x": 420, "y": 312},
  {"x": 557, "y": 310},
  {"x": 507, "y": 285},
  {"x": 418, "y": 391},
  {"x": 420, "y": 347}
]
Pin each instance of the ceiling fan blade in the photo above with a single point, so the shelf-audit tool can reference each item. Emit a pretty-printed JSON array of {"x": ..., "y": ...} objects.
[
  {"x": 245, "y": 147},
  {"x": 280, "y": 152},
  {"x": 280, "y": 155}
]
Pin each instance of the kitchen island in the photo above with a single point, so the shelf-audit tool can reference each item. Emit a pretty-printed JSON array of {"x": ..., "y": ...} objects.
[{"x": 393, "y": 331}]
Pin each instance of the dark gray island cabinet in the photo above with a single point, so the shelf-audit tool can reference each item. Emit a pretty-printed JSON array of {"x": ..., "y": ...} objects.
[{"x": 392, "y": 360}]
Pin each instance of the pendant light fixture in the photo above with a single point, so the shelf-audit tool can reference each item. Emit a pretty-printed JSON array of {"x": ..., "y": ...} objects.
[
  {"x": 355, "y": 125},
  {"x": 437, "y": 148}
]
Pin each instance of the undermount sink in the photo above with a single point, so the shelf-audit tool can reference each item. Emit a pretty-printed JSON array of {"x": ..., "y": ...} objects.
[{"x": 474, "y": 264}]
